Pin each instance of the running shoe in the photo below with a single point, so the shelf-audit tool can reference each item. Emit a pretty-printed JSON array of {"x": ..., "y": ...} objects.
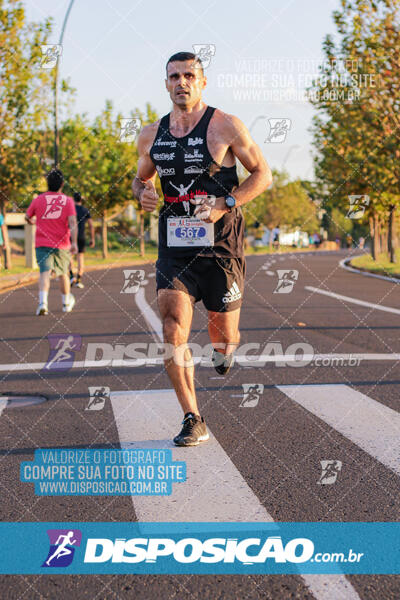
[
  {"x": 42, "y": 310},
  {"x": 70, "y": 305},
  {"x": 193, "y": 432},
  {"x": 79, "y": 284},
  {"x": 222, "y": 362}
]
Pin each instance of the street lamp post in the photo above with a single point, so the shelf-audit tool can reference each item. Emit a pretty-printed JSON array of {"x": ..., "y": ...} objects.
[{"x": 56, "y": 135}]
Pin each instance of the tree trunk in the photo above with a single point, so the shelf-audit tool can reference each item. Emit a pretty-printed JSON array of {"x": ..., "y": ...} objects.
[
  {"x": 7, "y": 249},
  {"x": 390, "y": 239},
  {"x": 104, "y": 235},
  {"x": 374, "y": 232},
  {"x": 141, "y": 232}
]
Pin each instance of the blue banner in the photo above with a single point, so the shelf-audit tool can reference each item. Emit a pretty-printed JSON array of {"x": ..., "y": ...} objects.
[
  {"x": 204, "y": 548},
  {"x": 111, "y": 472}
]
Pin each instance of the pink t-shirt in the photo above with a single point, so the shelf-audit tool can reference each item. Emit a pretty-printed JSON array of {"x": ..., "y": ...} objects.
[{"x": 52, "y": 210}]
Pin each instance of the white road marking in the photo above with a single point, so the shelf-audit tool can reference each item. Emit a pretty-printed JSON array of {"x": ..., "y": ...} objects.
[
  {"x": 371, "y": 425},
  {"x": 396, "y": 311},
  {"x": 242, "y": 359},
  {"x": 149, "y": 314},
  {"x": 214, "y": 490},
  {"x": 331, "y": 587}
]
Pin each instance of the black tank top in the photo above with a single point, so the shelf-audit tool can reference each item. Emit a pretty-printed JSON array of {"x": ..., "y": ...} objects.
[{"x": 186, "y": 168}]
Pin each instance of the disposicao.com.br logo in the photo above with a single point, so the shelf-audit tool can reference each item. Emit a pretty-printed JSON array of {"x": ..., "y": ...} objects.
[
  {"x": 248, "y": 551},
  {"x": 201, "y": 548},
  {"x": 191, "y": 550}
]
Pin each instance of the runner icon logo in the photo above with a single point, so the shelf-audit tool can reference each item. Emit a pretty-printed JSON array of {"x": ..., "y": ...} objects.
[
  {"x": 278, "y": 129},
  {"x": 357, "y": 206},
  {"x": 129, "y": 128},
  {"x": 233, "y": 294},
  {"x": 133, "y": 279},
  {"x": 62, "y": 547},
  {"x": 54, "y": 206},
  {"x": 204, "y": 52},
  {"x": 330, "y": 471},
  {"x": 98, "y": 397},
  {"x": 62, "y": 351},
  {"x": 286, "y": 280},
  {"x": 50, "y": 54},
  {"x": 251, "y": 394}
]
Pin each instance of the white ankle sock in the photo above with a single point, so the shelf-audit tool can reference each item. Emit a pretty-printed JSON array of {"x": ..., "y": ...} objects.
[
  {"x": 65, "y": 298},
  {"x": 43, "y": 297}
]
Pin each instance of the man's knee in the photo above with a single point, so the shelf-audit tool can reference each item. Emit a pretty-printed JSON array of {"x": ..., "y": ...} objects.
[{"x": 173, "y": 329}]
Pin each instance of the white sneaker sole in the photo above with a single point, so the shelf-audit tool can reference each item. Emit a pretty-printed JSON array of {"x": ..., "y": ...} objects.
[
  {"x": 202, "y": 438},
  {"x": 68, "y": 307}
]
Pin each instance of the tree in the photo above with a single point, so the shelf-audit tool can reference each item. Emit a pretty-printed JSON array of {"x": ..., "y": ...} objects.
[
  {"x": 286, "y": 203},
  {"x": 357, "y": 95},
  {"x": 98, "y": 163},
  {"x": 24, "y": 97}
]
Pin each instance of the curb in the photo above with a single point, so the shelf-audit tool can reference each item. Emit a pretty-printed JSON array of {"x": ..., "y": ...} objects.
[{"x": 344, "y": 264}]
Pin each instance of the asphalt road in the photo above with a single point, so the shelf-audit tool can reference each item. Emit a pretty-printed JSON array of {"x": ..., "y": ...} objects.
[{"x": 274, "y": 445}]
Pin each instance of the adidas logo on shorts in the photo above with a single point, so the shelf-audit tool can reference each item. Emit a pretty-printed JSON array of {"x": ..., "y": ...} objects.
[{"x": 233, "y": 294}]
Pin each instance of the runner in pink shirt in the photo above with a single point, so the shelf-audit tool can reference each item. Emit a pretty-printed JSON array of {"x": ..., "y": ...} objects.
[{"x": 55, "y": 226}]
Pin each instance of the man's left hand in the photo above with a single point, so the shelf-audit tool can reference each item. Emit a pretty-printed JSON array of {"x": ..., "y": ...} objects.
[{"x": 209, "y": 209}]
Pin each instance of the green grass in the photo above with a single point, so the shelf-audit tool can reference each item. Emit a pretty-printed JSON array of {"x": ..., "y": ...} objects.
[
  {"x": 92, "y": 257},
  {"x": 382, "y": 265}
]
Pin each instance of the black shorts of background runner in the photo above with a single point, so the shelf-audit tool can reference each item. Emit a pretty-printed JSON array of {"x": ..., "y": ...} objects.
[
  {"x": 81, "y": 245},
  {"x": 218, "y": 282}
]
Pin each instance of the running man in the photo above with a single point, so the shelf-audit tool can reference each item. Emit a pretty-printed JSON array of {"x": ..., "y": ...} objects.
[
  {"x": 201, "y": 257},
  {"x": 55, "y": 227},
  {"x": 62, "y": 549},
  {"x": 82, "y": 216}
]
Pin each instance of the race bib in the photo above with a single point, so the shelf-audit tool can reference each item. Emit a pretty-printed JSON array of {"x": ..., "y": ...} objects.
[{"x": 189, "y": 232}]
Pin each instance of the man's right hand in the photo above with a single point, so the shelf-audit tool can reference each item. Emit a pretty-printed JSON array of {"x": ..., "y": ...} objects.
[{"x": 149, "y": 197}]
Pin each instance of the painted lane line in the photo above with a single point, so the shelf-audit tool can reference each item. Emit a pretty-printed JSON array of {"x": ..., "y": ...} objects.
[
  {"x": 214, "y": 490},
  {"x": 242, "y": 359},
  {"x": 374, "y": 427},
  {"x": 395, "y": 311},
  {"x": 149, "y": 315},
  {"x": 331, "y": 587}
]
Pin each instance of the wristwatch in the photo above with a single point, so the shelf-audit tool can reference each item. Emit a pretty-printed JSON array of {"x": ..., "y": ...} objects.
[{"x": 230, "y": 202}]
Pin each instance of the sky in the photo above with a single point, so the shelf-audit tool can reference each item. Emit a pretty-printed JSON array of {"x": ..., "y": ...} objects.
[{"x": 263, "y": 54}]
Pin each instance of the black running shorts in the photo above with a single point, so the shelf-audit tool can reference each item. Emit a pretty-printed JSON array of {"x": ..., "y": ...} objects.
[
  {"x": 218, "y": 282},
  {"x": 81, "y": 245}
]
